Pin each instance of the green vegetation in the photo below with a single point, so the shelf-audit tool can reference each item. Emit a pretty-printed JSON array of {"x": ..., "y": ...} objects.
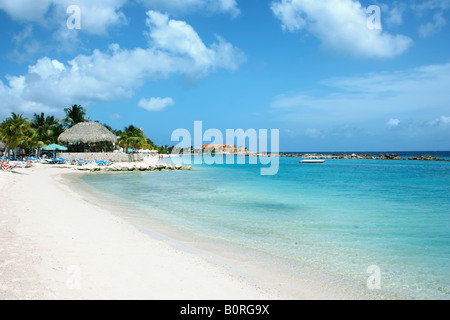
[
  {"x": 17, "y": 132},
  {"x": 14, "y": 132},
  {"x": 74, "y": 115},
  {"x": 46, "y": 130}
]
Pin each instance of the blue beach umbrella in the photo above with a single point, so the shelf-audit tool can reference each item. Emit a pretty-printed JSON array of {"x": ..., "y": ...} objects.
[{"x": 54, "y": 148}]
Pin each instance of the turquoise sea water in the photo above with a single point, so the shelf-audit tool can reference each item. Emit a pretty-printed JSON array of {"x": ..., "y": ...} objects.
[{"x": 337, "y": 218}]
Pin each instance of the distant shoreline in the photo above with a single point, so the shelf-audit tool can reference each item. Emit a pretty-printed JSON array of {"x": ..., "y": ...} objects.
[
  {"x": 412, "y": 155},
  {"x": 361, "y": 156}
]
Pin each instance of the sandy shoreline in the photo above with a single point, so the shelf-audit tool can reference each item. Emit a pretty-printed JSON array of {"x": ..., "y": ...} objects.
[
  {"x": 56, "y": 245},
  {"x": 59, "y": 240}
]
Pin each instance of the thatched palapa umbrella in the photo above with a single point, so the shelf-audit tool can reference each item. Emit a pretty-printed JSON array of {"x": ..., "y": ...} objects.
[{"x": 87, "y": 132}]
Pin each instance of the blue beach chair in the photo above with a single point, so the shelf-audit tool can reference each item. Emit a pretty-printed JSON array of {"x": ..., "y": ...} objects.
[{"x": 103, "y": 163}]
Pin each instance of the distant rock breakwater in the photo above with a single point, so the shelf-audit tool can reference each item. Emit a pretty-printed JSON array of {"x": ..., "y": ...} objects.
[
  {"x": 359, "y": 157},
  {"x": 128, "y": 167}
]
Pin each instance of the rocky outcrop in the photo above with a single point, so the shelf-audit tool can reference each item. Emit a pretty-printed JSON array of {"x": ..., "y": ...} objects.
[
  {"x": 357, "y": 156},
  {"x": 128, "y": 167},
  {"x": 426, "y": 158},
  {"x": 389, "y": 157}
]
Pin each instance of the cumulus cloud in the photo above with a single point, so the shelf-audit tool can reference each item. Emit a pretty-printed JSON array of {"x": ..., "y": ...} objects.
[
  {"x": 187, "y": 6},
  {"x": 392, "y": 13},
  {"x": 177, "y": 38},
  {"x": 395, "y": 16},
  {"x": 393, "y": 123},
  {"x": 98, "y": 16},
  {"x": 440, "y": 122},
  {"x": 174, "y": 48},
  {"x": 341, "y": 25},
  {"x": 26, "y": 10},
  {"x": 433, "y": 27},
  {"x": 156, "y": 104}
]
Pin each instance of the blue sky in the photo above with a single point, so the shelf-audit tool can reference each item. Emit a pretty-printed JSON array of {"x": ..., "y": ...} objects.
[{"x": 312, "y": 69}]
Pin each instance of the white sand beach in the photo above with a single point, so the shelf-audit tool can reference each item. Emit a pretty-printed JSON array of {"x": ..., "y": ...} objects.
[{"x": 56, "y": 245}]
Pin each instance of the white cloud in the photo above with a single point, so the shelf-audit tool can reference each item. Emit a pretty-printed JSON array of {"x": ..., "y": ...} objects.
[
  {"x": 445, "y": 120},
  {"x": 437, "y": 8},
  {"x": 188, "y": 6},
  {"x": 440, "y": 122},
  {"x": 431, "y": 5},
  {"x": 393, "y": 123},
  {"x": 180, "y": 39},
  {"x": 341, "y": 25},
  {"x": 195, "y": 59},
  {"x": 26, "y": 33},
  {"x": 26, "y": 10},
  {"x": 115, "y": 74},
  {"x": 431, "y": 28},
  {"x": 156, "y": 104},
  {"x": 415, "y": 93},
  {"x": 97, "y": 16},
  {"x": 393, "y": 14},
  {"x": 314, "y": 133},
  {"x": 67, "y": 40},
  {"x": 25, "y": 45},
  {"x": 115, "y": 116}
]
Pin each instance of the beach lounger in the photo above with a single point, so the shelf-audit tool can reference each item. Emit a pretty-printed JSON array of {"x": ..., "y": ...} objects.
[
  {"x": 99, "y": 162},
  {"x": 20, "y": 164},
  {"x": 61, "y": 160},
  {"x": 103, "y": 163},
  {"x": 82, "y": 162},
  {"x": 6, "y": 167},
  {"x": 51, "y": 161},
  {"x": 9, "y": 166}
]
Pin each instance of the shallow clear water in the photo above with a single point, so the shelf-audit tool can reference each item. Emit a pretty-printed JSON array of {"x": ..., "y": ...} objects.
[{"x": 338, "y": 218}]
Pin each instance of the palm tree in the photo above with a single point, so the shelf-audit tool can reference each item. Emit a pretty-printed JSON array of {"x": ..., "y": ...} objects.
[
  {"x": 39, "y": 137},
  {"x": 46, "y": 130},
  {"x": 75, "y": 114},
  {"x": 38, "y": 123},
  {"x": 33, "y": 141},
  {"x": 12, "y": 132},
  {"x": 53, "y": 129},
  {"x": 29, "y": 139},
  {"x": 131, "y": 137}
]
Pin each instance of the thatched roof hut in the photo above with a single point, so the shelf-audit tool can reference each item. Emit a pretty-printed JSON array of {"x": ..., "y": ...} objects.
[{"x": 87, "y": 132}]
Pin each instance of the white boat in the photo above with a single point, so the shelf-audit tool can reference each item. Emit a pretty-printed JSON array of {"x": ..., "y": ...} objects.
[{"x": 312, "y": 161}]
